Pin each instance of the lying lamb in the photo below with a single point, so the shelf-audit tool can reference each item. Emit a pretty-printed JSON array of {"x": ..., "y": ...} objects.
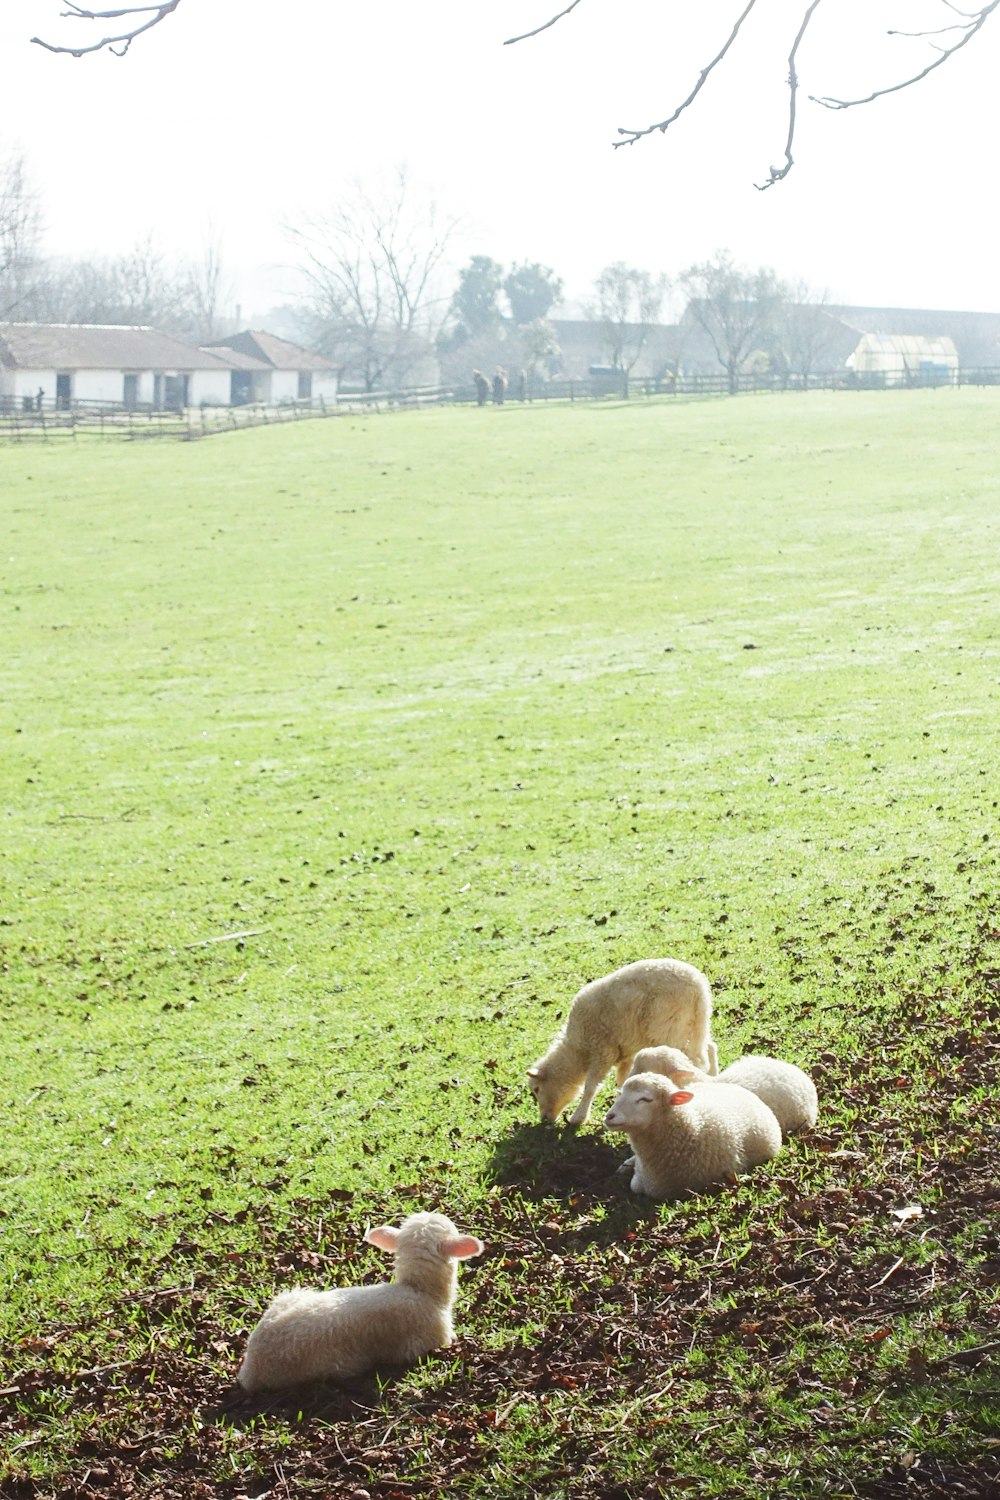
[
  {"x": 671, "y": 1062},
  {"x": 688, "y": 1139},
  {"x": 785, "y": 1089},
  {"x": 335, "y": 1335},
  {"x": 788, "y": 1092},
  {"x": 654, "y": 1000}
]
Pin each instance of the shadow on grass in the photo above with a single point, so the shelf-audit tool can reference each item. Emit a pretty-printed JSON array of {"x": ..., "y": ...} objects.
[
  {"x": 319, "y": 1401},
  {"x": 546, "y": 1162}
]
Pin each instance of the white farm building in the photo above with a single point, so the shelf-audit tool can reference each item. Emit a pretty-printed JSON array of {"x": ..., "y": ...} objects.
[
  {"x": 275, "y": 370},
  {"x": 904, "y": 359},
  {"x": 74, "y": 364},
  {"x": 66, "y": 365}
]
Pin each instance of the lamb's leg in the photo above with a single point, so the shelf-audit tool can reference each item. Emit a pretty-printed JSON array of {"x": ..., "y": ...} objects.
[
  {"x": 712, "y": 1052},
  {"x": 627, "y": 1167},
  {"x": 591, "y": 1084},
  {"x": 622, "y": 1070}
]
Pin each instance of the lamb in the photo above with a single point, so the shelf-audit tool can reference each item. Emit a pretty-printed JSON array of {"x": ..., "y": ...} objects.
[
  {"x": 671, "y": 1062},
  {"x": 684, "y": 1138},
  {"x": 788, "y": 1092},
  {"x": 335, "y": 1335},
  {"x": 654, "y": 1000}
]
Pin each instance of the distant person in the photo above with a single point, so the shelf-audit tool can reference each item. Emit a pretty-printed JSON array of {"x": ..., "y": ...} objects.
[
  {"x": 482, "y": 387},
  {"x": 39, "y": 398},
  {"x": 522, "y": 386},
  {"x": 499, "y": 386}
]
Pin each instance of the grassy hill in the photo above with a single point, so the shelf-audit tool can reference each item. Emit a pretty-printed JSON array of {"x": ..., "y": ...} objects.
[{"x": 335, "y": 759}]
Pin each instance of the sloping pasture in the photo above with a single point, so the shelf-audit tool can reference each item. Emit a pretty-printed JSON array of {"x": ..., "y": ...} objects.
[{"x": 335, "y": 759}]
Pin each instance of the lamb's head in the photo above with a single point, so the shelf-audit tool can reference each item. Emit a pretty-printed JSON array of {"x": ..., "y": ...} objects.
[
  {"x": 552, "y": 1091},
  {"x": 642, "y": 1100},
  {"x": 670, "y": 1061},
  {"x": 425, "y": 1234}
]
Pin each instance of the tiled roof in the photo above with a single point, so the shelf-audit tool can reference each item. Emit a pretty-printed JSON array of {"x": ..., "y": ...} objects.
[
  {"x": 98, "y": 346},
  {"x": 279, "y": 354},
  {"x": 237, "y": 360}
]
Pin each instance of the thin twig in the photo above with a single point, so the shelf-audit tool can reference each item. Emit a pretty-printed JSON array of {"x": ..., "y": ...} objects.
[
  {"x": 120, "y": 1364},
  {"x": 636, "y": 135},
  {"x": 539, "y": 29},
  {"x": 777, "y": 173},
  {"x": 97, "y": 817},
  {"x": 891, "y": 1272},
  {"x": 126, "y": 38},
  {"x": 959, "y": 1354},
  {"x": 976, "y": 22},
  {"x": 228, "y": 937}
]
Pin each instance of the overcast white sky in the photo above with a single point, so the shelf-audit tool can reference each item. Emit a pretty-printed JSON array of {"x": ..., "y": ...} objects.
[{"x": 247, "y": 114}]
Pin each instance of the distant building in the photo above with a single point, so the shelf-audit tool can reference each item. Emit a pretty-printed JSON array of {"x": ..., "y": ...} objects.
[
  {"x": 824, "y": 340},
  {"x": 584, "y": 344},
  {"x": 266, "y": 368},
  {"x": 76, "y": 363},
  {"x": 904, "y": 359},
  {"x": 975, "y": 335}
]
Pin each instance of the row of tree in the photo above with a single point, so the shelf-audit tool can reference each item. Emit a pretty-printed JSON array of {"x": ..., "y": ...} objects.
[
  {"x": 190, "y": 298},
  {"x": 374, "y": 297}
]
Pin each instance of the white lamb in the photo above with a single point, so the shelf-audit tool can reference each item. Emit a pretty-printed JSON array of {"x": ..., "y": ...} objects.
[
  {"x": 788, "y": 1092},
  {"x": 785, "y": 1089},
  {"x": 654, "y": 1000},
  {"x": 671, "y": 1062},
  {"x": 684, "y": 1138},
  {"x": 335, "y": 1335}
]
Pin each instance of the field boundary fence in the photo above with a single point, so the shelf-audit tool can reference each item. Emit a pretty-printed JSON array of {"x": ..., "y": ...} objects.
[{"x": 51, "y": 422}]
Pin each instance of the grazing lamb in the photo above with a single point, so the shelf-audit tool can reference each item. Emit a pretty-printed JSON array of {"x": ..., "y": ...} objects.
[
  {"x": 788, "y": 1092},
  {"x": 335, "y": 1335},
  {"x": 654, "y": 1000},
  {"x": 688, "y": 1139},
  {"x": 785, "y": 1089},
  {"x": 671, "y": 1062}
]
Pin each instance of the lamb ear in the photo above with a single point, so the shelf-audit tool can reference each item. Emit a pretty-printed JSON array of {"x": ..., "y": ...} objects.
[
  {"x": 463, "y": 1247},
  {"x": 682, "y": 1096},
  {"x": 384, "y": 1236},
  {"x": 534, "y": 1072}
]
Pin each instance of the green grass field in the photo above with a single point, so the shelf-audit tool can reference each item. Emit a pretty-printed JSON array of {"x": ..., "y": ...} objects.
[{"x": 449, "y": 712}]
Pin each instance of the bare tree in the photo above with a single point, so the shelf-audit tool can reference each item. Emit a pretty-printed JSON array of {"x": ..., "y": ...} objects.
[
  {"x": 370, "y": 270},
  {"x": 20, "y": 236},
  {"x": 627, "y": 305},
  {"x": 140, "y": 287},
  {"x": 736, "y": 309},
  {"x": 803, "y": 333},
  {"x": 206, "y": 289},
  {"x": 960, "y": 27},
  {"x": 137, "y": 18}
]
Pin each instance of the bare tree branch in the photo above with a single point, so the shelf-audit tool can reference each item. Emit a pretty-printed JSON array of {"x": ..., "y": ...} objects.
[
  {"x": 636, "y": 135},
  {"x": 544, "y": 27},
  {"x": 777, "y": 173},
  {"x": 968, "y": 25},
  {"x": 974, "y": 23},
  {"x": 119, "y": 44}
]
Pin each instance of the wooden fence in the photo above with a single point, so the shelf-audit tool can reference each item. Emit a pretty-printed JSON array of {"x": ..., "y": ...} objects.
[
  {"x": 110, "y": 421},
  {"x": 96, "y": 420}
]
